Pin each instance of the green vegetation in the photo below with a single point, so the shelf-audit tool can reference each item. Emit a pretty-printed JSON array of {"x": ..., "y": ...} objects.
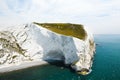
[
  {"x": 75, "y": 30},
  {"x": 8, "y": 46}
]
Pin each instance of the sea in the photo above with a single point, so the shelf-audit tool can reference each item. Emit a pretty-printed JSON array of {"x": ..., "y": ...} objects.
[{"x": 106, "y": 65}]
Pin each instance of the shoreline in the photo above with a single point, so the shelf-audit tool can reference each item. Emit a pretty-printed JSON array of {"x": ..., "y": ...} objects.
[{"x": 23, "y": 65}]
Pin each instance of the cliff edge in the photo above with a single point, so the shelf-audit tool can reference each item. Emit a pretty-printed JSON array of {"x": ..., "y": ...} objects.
[{"x": 71, "y": 43}]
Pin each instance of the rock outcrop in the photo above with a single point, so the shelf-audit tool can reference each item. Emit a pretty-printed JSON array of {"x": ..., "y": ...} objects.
[{"x": 71, "y": 43}]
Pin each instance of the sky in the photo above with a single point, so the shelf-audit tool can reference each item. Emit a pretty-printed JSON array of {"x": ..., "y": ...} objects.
[{"x": 100, "y": 16}]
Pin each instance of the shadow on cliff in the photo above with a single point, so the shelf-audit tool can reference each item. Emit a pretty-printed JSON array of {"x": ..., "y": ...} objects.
[{"x": 57, "y": 42}]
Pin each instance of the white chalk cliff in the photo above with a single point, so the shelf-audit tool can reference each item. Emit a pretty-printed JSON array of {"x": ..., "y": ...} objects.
[{"x": 37, "y": 41}]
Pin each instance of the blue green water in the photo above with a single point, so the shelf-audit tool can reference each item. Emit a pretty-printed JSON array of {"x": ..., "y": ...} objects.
[{"x": 106, "y": 65}]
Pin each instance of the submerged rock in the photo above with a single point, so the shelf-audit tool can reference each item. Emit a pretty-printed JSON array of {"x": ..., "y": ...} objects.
[{"x": 70, "y": 43}]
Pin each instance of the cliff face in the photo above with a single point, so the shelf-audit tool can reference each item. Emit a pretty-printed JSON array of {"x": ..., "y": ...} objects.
[{"x": 57, "y": 41}]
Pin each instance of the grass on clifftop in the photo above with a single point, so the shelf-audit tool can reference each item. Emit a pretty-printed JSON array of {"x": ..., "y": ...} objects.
[{"x": 75, "y": 30}]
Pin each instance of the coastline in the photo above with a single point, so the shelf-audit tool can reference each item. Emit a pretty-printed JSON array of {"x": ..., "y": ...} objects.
[{"x": 23, "y": 65}]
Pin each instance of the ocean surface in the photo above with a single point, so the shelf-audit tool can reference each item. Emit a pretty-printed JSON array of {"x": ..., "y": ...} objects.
[{"x": 106, "y": 65}]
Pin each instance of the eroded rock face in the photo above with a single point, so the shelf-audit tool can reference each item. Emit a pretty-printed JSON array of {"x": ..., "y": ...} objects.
[
  {"x": 8, "y": 47},
  {"x": 84, "y": 64},
  {"x": 57, "y": 41}
]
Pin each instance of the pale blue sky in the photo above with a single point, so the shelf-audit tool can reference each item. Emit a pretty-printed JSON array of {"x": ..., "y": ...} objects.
[{"x": 101, "y": 16}]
